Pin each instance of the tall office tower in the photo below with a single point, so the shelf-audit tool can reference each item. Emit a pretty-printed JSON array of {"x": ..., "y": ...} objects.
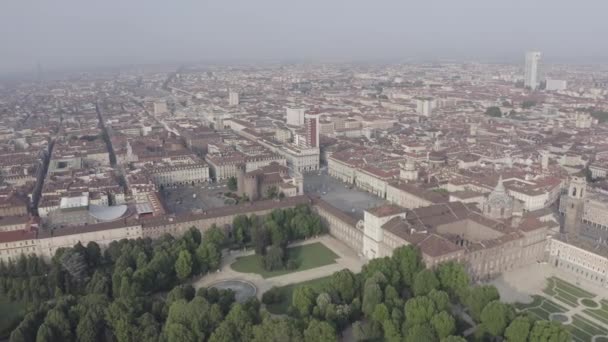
[
  {"x": 425, "y": 105},
  {"x": 311, "y": 122},
  {"x": 295, "y": 116},
  {"x": 233, "y": 98},
  {"x": 532, "y": 72}
]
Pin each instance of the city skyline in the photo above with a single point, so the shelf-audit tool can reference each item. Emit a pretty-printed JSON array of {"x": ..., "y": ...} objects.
[
  {"x": 317, "y": 171},
  {"x": 77, "y": 35}
]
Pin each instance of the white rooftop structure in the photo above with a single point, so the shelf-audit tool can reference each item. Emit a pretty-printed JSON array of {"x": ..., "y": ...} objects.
[
  {"x": 105, "y": 214},
  {"x": 75, "y": 202}
]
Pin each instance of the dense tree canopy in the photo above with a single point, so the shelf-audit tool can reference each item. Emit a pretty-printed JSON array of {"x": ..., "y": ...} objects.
[
  {"x": 137, "y": 290},
  {"x": 493, "y": 112}
]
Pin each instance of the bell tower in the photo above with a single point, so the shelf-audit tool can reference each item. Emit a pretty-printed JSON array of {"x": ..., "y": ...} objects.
[{"x": 571, "y": 204}]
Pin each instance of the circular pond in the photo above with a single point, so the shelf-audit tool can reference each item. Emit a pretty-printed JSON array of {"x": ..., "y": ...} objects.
[{"x": 243, "y": 290}]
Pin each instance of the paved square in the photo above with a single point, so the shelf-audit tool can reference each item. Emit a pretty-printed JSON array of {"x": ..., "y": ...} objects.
[{"x": 342, "y": 196}]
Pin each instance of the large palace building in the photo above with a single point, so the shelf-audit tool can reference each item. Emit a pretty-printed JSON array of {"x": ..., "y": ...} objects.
[{"x": 488, "y": 241}]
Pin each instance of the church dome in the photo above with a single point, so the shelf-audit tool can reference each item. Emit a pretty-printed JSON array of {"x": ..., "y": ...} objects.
[{"x": 499, "y": 204}]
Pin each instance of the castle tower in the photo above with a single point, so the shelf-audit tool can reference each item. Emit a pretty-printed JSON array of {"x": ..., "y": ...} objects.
[
  {"x": 571, "y": 203},
  {"x": 498, "y": 204}
]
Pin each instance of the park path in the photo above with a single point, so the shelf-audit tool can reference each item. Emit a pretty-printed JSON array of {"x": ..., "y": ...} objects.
[{"x": 346, "y": 259}]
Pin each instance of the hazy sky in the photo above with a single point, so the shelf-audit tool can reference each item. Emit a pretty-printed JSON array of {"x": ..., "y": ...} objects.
[{"x": 61, "y": 33}]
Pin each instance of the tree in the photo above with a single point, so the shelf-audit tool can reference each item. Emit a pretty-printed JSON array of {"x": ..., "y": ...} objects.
[
  {"x": 318, "y": 331},
  {"x": 274, "y": 295},
  {"x": 453, "y": 278},
  {"x": 380, "y": 313},
  {"x": 93, "y": 254},
  {"x": 367, "y": 331},
  {"x": 424, "y": 282},
  {"x": 441, "y": 300},
  {"x": 240, "y": 229},
  {"x": 273, "y": 260},
  {"x": 183, "y": 265},
  {"x": 409, "y": 262},
  {"x": 214, "y": 235},
  {"x": 239, "y": 320},
  {"x": 495, "y": 317},
  {"x": 278, "y": 235},
  {"x": 60, "y": 325},
  {"x": 420, "y": 332},
  {"x": 88, "y": 329},
  {"x": 518, "y": 330},
  {"x": 444, "y": 324},
  {"x": 232, "y": 184},
  {"x": 345, "y": 285},
  {"x": 45, "y": 334},
  {"x": 494, "y": 112},
  {"x": 392, "y": 298},
  {"x": 391, "y": 332},
  {"x": 260, "y": 238},
  {"x": 419, "y": 310},
  {"x": 543, "y": 331},
  {"x": 276, "y": 330},
  {"x": 209, "y": 257},
  {"x": 453, "y": 339},
  {"x": 478, "y": 297},
  {"x": 179, "y": 333},
  {"x": 323, "y": 301},
  {"x": 372, "y": 296},
  {"x": 303, "y": 300}
]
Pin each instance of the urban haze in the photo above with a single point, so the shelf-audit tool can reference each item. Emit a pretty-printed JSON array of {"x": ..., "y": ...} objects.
[{"x": 312, "y": 171}]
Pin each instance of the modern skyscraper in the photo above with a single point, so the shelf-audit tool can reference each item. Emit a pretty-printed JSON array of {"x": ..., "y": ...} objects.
[
  {"x": 425, "y": 105},
  {"x": 311, "y": 122},
  {"x": 532, "y": 72},
  {"x": 233, "y": 98}
]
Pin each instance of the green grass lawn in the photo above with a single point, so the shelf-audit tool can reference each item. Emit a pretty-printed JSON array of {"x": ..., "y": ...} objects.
[
  {"x": 287, "y": 291},
  {"x": 600, "y": 314},
  {"x": 573, "y": 290},
  {"x": 307, "y": 256},
  {"x": 583, "y": 329},
  {"x": 565, "y": 291},
  {"x": 590, "y": 303},
  {"x": 11, "y": 314}
]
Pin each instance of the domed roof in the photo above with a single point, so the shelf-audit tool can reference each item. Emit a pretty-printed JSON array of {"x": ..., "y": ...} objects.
[
  {"x": 107, "y": 213},
  {"x": 499, "y": 198}
]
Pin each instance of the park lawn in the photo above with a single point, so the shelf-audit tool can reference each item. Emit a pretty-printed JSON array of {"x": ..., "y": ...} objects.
[
  {"x": 307, "y": 256},
  {"x": 583, "y": 329},
  {"x": 573, "y": 290},
  {"x": 601, "y": 313},
  {"x": 287, "y": 292},
  {"x": 11, "y": 314}
]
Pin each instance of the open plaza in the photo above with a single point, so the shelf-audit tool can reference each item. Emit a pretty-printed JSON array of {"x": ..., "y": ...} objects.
[{"x": 548, "y": 293}]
